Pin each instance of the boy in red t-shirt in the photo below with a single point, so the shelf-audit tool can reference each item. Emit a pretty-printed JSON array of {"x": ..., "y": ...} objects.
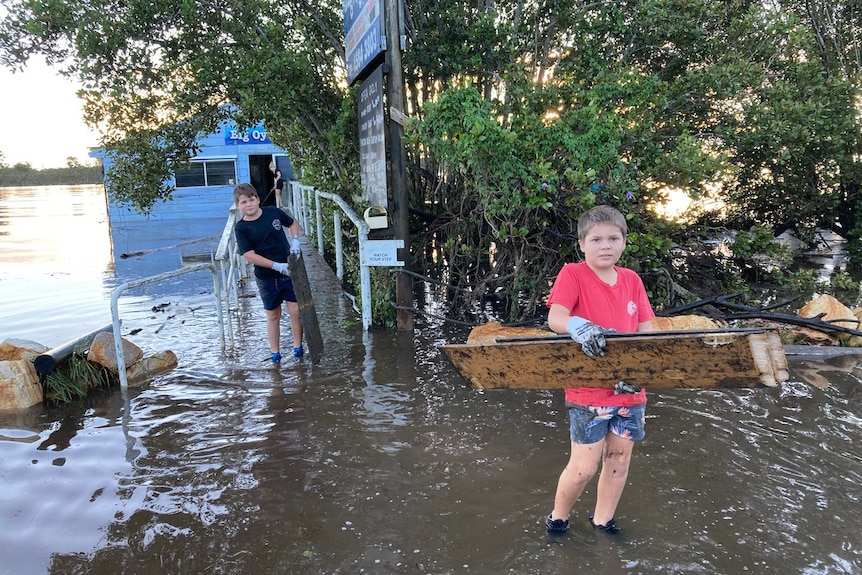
[{"x": 588, "y": 299}]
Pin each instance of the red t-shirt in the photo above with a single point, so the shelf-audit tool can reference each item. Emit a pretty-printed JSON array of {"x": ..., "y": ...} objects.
[{"x": 621, "y": 307}]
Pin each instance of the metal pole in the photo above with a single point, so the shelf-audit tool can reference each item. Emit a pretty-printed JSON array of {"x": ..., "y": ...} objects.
[
  {"x": 339, "y": 245},
  {"x": 400, "y": 198}
]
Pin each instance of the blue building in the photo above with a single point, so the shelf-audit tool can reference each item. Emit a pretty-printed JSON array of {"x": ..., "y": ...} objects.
[{"x": 203, "y": 195}]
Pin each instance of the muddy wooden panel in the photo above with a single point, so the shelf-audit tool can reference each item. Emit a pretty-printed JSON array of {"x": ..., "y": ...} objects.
[
  {"x": 689, "y": 359},
  {"x": 302, "y": 289}
]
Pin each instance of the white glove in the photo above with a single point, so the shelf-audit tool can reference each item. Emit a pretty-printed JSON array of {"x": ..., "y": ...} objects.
[
  {"x": 281, "y": 268},
  {"x": 589, "y": 335},
  {"x": 294, "y": 247}
]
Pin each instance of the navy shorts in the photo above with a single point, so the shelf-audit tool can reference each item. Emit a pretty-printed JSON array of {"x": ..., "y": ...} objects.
[
  {"x": 275, "y": 291},
  {"x": 591, "y": 424}
]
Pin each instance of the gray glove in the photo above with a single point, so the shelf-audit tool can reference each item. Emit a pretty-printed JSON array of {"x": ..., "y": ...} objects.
[
  {"x": 623, "y": 387},
  {"x": 294, "y": 247},
  {"x": 281, "y": 268},
  {"x": 589, "y": 335}
]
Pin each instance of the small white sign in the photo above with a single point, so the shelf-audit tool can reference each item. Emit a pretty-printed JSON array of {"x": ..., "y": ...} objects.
[{"x": 381, "y": 253}]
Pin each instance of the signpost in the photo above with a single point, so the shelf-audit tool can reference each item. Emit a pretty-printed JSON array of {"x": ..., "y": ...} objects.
[
  {"x": 381, "y": 253},
  {"x": 372, "y": 139},
  {"x": 364, "y": 41},
  {"x": 363, "y": 34}
]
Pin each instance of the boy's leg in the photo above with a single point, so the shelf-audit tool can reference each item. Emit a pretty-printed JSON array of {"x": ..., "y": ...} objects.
[
  {"x": 612, "y": 480},
  {"x": 582, "y": 465},
  {"x": 295, "y": 322},
  {"x": 273, "y": 328}
]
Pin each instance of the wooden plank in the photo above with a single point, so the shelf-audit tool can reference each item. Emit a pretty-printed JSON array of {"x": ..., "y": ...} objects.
[
  {"x": 681, "y": 359},
  {"x": 302, "y": 289}
]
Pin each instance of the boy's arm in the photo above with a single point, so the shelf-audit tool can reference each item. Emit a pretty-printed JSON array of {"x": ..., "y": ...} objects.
[
  {"x": 558, "y": 318},
  {"x": 258, "y": 260},
  {"x": 645, "y": 326}
]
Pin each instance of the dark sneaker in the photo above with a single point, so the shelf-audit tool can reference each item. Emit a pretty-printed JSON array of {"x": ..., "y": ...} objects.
[
  {"x": 609, "y": 527},
  {"x": 297, "y": 352},
  {"x": 275, "y": 357},
  {"x": 557, "y": 525}
]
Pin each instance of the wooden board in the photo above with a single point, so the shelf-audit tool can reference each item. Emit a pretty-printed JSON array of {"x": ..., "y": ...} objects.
[
  {"x": 302, "y": 289},
  {"x": 671, "y": 359}
]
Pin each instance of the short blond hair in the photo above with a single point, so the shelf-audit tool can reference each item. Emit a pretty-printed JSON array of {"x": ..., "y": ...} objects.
[{"x": 601, "y": 215}]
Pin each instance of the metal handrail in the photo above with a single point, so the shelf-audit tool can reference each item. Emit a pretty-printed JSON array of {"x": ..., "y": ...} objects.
[
  {"x": 115, "y": 314},
  {"x": 299, "y": 195}
]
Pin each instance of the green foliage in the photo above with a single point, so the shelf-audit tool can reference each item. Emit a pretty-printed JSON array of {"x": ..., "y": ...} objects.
[
  {"x": 25, "y": 175},
  {"x": 522, "y": 116},
  {"x": 759, "y": 241},
  {"x": 843, "y": 281}
]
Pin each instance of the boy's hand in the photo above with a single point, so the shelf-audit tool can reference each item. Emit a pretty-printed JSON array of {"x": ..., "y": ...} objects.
[
  {"x": 294, "y": 247},
  {"x": 589, "y": 335},
  {"x": 281, "y": 268}
]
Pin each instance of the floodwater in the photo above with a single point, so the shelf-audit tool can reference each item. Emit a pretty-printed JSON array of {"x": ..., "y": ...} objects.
[{"x": 378, "y": 459}]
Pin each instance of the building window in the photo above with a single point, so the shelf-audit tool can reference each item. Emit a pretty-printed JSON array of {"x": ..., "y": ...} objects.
[{"x": 208, "y": 173}]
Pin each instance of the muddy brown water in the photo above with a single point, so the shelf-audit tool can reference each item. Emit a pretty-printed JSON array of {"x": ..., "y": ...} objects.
[{"x": 379, "y": 459}]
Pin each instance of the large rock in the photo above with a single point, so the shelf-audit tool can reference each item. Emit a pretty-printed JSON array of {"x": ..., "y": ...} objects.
[
  {"x": 153, "y": 365},
  {"x": 20, "y": 387},
  {"x": 14, "y": 348},
  {"x": 103, "y": 352},
  {"x": 832, "y": 310}
]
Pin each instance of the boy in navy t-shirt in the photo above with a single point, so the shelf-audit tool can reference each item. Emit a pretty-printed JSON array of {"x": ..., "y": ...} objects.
[{"x": 262, "y": 237}]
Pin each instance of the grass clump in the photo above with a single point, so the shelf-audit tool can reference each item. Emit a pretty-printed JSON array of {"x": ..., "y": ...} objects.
[{"x": 76, "y": 378}]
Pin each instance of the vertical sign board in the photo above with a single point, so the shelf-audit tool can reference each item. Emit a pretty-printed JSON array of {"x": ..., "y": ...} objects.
[
  {"x": 372, "y": 141},
  {"x": 363, "y": 34}
]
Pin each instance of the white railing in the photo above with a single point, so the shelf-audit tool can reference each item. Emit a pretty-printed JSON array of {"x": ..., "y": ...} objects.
[
  {"x": 232, "y": 266},
  {"x": 115, "y": 313},
  {"x": 300, "y": 200},
  {"x": 228, "y": 267}
]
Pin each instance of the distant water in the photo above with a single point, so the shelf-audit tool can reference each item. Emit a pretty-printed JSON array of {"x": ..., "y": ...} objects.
[
  {"x": 58, "y": 265},
  {"x": 56, "y": 269}
]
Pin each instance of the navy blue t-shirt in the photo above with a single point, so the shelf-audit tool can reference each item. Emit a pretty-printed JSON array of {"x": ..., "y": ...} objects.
[{"x": 266, "y": 237}]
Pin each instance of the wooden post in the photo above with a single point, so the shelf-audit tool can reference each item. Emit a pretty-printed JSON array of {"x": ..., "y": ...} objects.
[
  {"x": 307, "y": 313},
  {"x": 400, "y": 198}
]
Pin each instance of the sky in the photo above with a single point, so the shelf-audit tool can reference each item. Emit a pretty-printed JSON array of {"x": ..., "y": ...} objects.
[{"x": 42, "y": 118}]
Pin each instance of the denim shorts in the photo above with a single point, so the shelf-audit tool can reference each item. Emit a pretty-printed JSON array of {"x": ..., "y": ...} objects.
[
  {"x": 274, "y": 291},
  {"x": 591, "y": 424}
]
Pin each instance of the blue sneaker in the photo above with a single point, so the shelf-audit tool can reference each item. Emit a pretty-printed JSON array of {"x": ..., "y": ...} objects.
[
  {"x": 609, "y": 527},
  {"x": 297, "y": 352},
  {"x": 276, "y": 357},
  {"x": 557, "y": 525}
]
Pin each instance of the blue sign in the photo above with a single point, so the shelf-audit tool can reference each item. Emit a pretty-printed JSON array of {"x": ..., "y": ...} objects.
[
  {"x": 363, "y": 34},
  {"x": 256, "y": 135}
]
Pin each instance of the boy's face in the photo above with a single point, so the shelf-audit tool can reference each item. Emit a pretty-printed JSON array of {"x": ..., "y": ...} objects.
[
  {"x": 603, "y": 246},
  {"x": 248, "y": 205}
]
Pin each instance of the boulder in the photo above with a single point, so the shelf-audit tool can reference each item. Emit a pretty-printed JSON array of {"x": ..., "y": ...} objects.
[
  {"x": 20, "y": 387},
  {"x": 832, "y": 310},
  {"x": 153, "y": 365},
  {"x": 14, "y": 348},
  {"x": 103, "y": 352}
]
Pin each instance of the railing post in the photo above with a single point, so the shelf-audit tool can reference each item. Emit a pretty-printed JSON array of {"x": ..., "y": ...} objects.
[
  {"x": 365, "y": 281},
  {"x": 339, "y": 245},
  {"x": 362, "y": 229},
  {"x": 115, "y": 311},
  {"x": 319, "y": 219}
]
